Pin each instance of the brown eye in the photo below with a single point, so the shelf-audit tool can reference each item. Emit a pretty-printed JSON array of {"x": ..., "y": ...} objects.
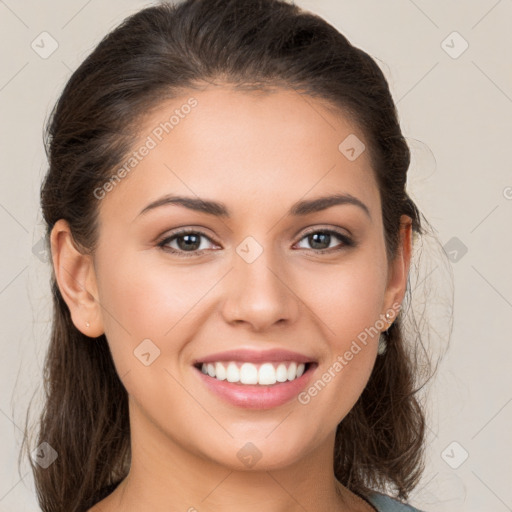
[
  {"x": 320, "y": 240},
  {"x": 187, "y": 241}
]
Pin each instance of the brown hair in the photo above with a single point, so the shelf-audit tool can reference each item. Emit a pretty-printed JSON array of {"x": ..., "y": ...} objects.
[{"x": 154, "y": 55}]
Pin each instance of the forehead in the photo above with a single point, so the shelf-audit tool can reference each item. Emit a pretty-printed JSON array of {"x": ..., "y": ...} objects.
[{"x": 247, "y": 148}]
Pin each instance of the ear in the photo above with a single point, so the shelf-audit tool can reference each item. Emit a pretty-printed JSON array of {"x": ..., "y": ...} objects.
[
  {"x": 399, "y": 267},
  {"x": 76, "y": 278}
]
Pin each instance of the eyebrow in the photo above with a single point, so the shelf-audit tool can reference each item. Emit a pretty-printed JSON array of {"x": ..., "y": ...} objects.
[{"x": 218, "y": 209}]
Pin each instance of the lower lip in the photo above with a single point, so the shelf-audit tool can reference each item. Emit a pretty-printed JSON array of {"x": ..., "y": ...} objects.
[{"x": 249, "y": 396}]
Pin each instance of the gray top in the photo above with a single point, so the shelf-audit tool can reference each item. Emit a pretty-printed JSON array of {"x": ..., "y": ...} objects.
[{"x": 385, "y": 503}]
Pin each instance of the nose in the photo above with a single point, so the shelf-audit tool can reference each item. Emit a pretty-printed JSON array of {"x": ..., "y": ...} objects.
[{"x": 260, "y": 294}]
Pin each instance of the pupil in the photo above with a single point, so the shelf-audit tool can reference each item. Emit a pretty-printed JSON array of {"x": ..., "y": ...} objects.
[
  {"x": 314, "y": 240},
  {"x": 188, "y": 244}
]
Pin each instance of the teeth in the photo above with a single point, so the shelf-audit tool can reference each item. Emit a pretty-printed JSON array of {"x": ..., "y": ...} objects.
[
  {"x": 220, "y": 371},
  {"x": 232, "y": 373},
  {"x": 264, "y": 374},
  {"x": 292, "y": 371}
]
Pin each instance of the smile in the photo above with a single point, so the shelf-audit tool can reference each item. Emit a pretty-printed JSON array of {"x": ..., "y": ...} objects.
[
  {"x": 265, "y": 374},
  {"x": 255, "y": 386}
]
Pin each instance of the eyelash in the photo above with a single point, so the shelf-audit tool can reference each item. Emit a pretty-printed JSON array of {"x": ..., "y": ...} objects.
[{"x": 346, "y": 241}]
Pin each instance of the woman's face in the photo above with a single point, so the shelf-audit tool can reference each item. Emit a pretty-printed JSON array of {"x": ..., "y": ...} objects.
[{"x": 260, "y": 271}]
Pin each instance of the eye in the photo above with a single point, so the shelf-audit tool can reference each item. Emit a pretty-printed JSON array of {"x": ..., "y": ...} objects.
[
  {"x": 320, "y": 240},
  {"x": 188, "y": 241}
]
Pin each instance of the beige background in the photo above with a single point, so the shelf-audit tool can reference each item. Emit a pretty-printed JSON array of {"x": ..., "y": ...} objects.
[{"x": 455, "y": 110}]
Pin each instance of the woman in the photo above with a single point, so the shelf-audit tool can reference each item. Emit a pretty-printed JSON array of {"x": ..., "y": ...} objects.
[{"x": 231, "y": 241}]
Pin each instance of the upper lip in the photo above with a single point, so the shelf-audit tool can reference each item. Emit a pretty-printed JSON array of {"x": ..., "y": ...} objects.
[{"x": 255, "y": 356}]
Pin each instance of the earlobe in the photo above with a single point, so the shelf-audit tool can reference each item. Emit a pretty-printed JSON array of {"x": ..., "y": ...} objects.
[{"x": 76, "y": 279}]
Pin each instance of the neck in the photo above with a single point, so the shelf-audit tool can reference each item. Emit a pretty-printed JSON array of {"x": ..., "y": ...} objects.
[{"x": 165, "y": 476}]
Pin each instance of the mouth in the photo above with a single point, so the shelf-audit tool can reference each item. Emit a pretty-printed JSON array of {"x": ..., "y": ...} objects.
[
  {"x": 248, "y": 385},
  {"x": 246, "y": 373}
]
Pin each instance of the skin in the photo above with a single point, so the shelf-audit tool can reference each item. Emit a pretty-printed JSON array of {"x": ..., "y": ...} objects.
[{"x": 258, "y": 154}]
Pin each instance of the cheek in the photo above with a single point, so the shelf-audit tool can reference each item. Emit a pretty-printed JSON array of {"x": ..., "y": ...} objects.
[
  {"x": 142, "y": 298},
  {"x": 348, "y": 302},
  {"x": 348, "y": 298},
  {"x": 144, "y": 295}
]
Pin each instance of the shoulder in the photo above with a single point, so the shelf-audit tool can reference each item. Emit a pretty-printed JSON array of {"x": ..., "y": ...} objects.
[{"x": 385, "y": 503}]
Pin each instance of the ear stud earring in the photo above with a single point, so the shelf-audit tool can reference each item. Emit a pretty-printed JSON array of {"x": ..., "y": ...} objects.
[
  {"x": 87, "y": 324},
  {"x": 383, "y": 344}
]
